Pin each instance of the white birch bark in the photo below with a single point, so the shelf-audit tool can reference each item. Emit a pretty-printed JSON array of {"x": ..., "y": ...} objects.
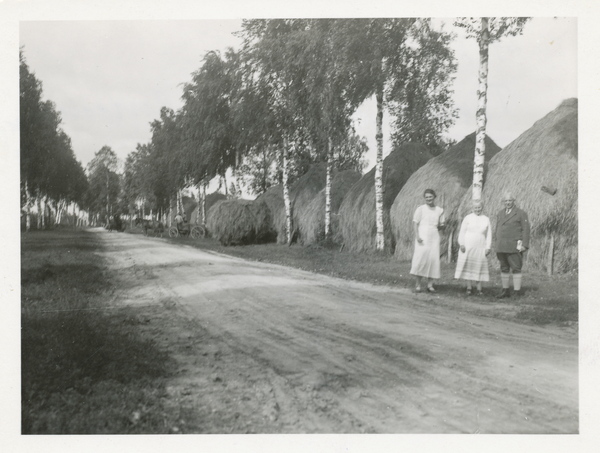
[
  {"x": 27, "y": 208},
  {"x": 328, "y": 189},
  {"x": 204, "y": 204},
  {"x": 286, "y": 194},
  {"x": 380, "y": 239},
  {"x": 481, "y": 117},
  {"x": 39, "y": 212}
]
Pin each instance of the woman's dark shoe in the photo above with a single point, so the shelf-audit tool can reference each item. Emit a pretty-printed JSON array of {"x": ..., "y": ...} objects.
[
  {"x": 469, "y": 291},
  {"x": 504, "y": 294},
  {"x": 517, "y": 293}
]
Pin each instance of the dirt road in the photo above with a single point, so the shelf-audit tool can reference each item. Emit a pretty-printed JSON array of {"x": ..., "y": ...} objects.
[{"x": 261, "y": 348}]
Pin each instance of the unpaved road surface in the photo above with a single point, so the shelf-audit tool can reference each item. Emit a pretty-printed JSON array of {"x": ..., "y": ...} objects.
[{"x": 261, "y": 348}]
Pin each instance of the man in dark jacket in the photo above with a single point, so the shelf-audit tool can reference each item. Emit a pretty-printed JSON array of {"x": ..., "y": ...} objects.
[{"x": 512, "y": 239}]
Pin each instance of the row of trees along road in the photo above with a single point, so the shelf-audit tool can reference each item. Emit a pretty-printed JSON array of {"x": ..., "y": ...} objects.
[
  {"x": 285, "y": 100},
  {"x": 50, "y": 174},
  {"x": 267, "y": 112}
]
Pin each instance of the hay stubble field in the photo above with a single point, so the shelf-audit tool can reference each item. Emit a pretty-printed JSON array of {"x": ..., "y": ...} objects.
[{"x": 263, "y": 348}]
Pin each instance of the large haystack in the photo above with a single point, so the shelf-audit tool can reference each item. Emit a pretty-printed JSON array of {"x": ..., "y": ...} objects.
[
  {"x": 450, "y": 174},
  {"x": 301, "y": 194},
  {"x": 540, "y": 169},
  {"x": 240, "y": 222},
  {"x": 273, "y": 198},
  {"x": 211, "y": 199},
  {"x": 357, "y": 212},
  {"x": 303, "y": 191},
  {"x": 189, "y": 206},
  {"x": 311, "y": 217}
]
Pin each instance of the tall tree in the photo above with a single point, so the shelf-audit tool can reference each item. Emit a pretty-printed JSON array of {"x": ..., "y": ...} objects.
[
  {"x": 104, "y": 182},
  {"x": 486, "y": 30},
  {"x": 209, "y": 147},
  {"x": 269, "y": 74},
  {"x": 49, "y": 171},
  {"x": 383, "y": 56}
]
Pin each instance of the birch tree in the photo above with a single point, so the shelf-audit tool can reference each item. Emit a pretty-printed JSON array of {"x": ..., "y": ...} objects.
[{"x": 486, "y": 30}]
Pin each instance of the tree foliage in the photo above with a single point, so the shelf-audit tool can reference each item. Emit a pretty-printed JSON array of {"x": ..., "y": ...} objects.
[{"x": 48, "y": 165}]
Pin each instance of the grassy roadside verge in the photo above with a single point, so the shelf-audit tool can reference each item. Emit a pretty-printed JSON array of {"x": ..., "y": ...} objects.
[
  {"x": 84, "y": 368},
  {"x": 547, "y": 300}
]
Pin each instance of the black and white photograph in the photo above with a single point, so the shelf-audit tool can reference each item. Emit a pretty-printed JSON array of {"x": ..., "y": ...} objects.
[{"x": 241, "y": 226}]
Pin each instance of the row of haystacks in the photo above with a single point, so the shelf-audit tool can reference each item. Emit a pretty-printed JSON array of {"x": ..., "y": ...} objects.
[
  {"x": 240, "y": 222},
  {"x": 310, "y": 217},
  {"x": 356, "y": 215},
  {"x": 450, "y": 175},
  {"x": 540, "y": 169}
]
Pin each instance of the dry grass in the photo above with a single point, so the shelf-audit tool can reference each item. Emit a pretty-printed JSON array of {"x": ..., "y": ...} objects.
[
  {"x": 450, "y": 174},
  {"x": 237, "y": 222},
  {"x": 357, "y": 212},
  {"x": 543, "y": 156}
]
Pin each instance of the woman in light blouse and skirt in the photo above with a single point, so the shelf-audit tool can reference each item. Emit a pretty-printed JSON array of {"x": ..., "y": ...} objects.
[
  {"x": 475, "y": 240},
  {"x": 428, "y": 219}
]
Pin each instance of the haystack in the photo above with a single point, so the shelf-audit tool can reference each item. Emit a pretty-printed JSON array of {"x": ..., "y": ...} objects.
[
  {"x": 450, "y": 174},
  {"x": 540, "y": 169},
  {"x": 211, "y": 199},
  {"x": 240, "y": 222},
  {"x": 357, "y": 212},
  {"x": 311, "y": 217},
  {"x": 189, "y": 206},
  {"x": 273, "y": 198},
  {"x": 301, "y": 194}
]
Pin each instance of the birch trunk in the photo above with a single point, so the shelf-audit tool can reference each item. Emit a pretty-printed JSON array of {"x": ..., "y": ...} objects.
[
  {"x": 380, "y": 238},
  {"x": 286, "y": 194},
  {"x": 328, "y": 189},
  {"x": 237, "y": 175},
  {"x": 204, "y": 204},
  {"x": 27, "y": 208},
  {"x": 481, "y": 117},
  {"x": 39, "y": 212}
]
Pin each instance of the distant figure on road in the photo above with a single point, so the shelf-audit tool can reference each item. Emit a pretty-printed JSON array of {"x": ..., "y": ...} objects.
[
  {"x": 512, "y": 239},
  {"x": 179, "y": 220},
  {"x": 475, "y": 241},
  {"x": 428, "y": 219}
]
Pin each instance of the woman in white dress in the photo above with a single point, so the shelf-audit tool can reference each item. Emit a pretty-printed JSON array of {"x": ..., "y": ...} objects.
[
  {"x": 475, "y": 240},
  {"x": 427, "y": 220}
]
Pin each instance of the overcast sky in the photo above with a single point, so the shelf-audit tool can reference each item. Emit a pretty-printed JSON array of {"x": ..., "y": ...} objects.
[{"x": 109, "y": 79}]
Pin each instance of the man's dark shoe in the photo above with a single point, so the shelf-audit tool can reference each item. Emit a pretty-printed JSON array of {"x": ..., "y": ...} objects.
[
  {"x": 504, "y": 294},
  {"x": 517, "y": 293}
]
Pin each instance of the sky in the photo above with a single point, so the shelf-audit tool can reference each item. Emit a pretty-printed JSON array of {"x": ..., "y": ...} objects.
[{"x": 109, "y": 79}]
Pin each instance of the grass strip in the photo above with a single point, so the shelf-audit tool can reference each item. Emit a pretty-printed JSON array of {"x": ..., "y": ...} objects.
[{"x": 85, "y": 368}]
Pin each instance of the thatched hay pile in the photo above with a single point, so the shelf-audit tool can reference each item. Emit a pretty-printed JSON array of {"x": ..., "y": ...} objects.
[
  {"x": 189, "y": 206},
  {"x": 240, "y": 222},
  {"x": 301, "y": 194},
  {"x": 542, "y": 159},
  {"x": 273, "y": 198},
  {"x": 211, "y": 199},
  {"x": 311, "y": 217},
  {"x": 357, "y": 212},
  {"x": 450, "y": 174}
]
